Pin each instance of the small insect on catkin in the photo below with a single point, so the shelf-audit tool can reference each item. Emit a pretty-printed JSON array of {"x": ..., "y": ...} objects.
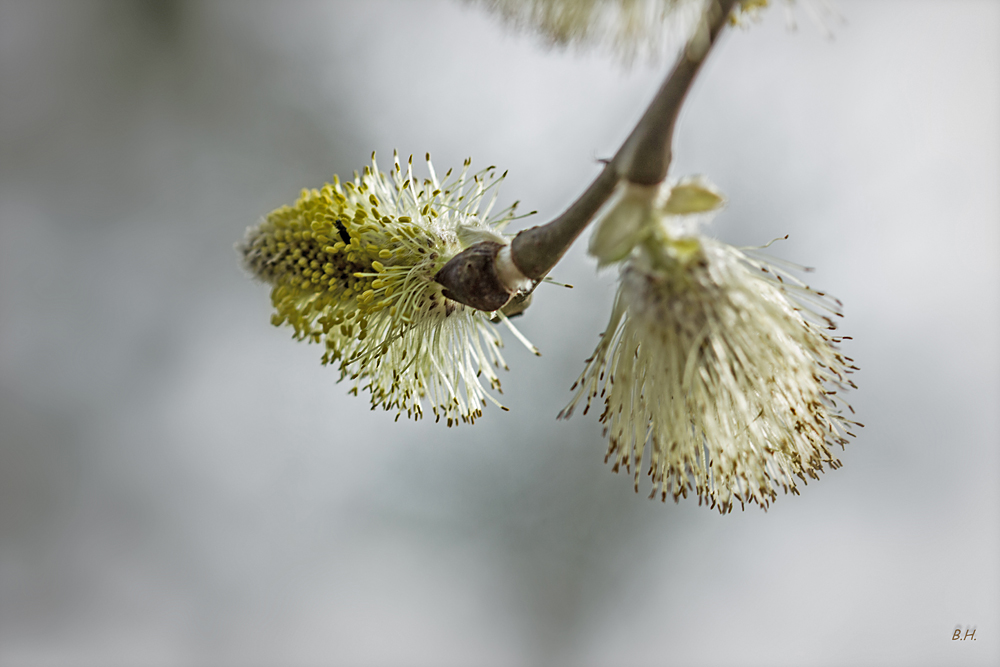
[{"x": 352, "y": 265}]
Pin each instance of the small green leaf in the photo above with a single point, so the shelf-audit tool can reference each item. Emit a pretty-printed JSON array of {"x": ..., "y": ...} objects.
[{"x": 696, "y": 196}]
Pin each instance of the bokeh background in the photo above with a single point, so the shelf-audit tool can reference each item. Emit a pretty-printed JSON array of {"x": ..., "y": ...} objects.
[{"x": 181, "y": 484}]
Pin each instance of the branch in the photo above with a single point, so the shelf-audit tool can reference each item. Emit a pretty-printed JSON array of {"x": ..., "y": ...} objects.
[{"x": 643, "y": 159}]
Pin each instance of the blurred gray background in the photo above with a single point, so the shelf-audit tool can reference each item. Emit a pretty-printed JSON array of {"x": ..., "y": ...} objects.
[{"x": 182, "y": 484}]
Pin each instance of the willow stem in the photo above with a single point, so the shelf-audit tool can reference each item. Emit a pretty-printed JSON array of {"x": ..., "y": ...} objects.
[{"x": 643, "y": 158}]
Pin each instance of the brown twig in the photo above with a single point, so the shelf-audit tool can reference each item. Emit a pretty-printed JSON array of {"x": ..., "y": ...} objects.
[{"x": 643, "y": 158}]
